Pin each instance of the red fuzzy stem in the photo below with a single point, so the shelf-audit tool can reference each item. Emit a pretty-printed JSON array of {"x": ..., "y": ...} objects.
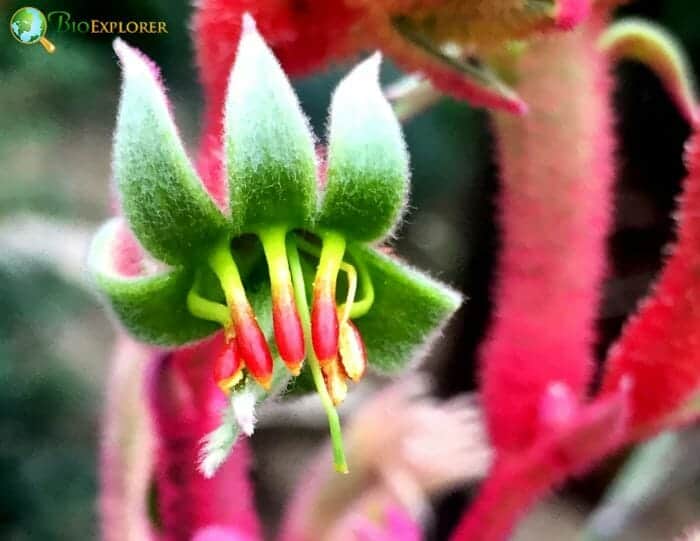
[
  {"x": 556, "y": 170},
  {"x": 518, "y": 481},
  {"x": 186, "y": 405},
  {"x": 659, "y": 349}
]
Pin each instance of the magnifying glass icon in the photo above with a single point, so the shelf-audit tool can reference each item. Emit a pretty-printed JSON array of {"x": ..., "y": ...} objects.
[{"x": 28, "y": 25}]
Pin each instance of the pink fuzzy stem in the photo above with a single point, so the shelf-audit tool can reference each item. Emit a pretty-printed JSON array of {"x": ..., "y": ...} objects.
[
  {"x": 556, "y": 170},
  {"x": 126, "y": 449},
  {"x": 186, "y": 405}
]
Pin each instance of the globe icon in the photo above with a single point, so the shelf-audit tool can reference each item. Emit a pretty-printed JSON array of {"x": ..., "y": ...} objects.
[{"x": 28, "y": 25}]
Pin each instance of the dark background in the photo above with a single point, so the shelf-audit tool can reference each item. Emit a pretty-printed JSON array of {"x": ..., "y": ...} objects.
[{"x": 56, "y": 118}]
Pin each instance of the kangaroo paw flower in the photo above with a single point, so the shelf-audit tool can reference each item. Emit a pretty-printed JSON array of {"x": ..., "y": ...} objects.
[{"x": 199, "y": 266}]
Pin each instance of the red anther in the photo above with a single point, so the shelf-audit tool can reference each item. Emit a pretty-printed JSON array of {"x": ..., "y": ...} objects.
[
  {"x": 289, "y": 335},
  {"x": 324, "y": 327},
  {"x": 228, "y": 366},
  {"x": 353, "y": 356},
  {"x": 253, "y": 349}
]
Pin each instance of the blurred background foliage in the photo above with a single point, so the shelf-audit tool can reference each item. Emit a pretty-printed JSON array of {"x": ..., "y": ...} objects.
[{"x": 56, "y": 118}]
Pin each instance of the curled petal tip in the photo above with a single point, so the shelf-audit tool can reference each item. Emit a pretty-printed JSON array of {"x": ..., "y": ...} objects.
[
  {"x": 645, "y": 42},
  {"x": 133, "y": 61},
  {"x": 248, "y": 23},
  {"x": 517, "y": 106}
]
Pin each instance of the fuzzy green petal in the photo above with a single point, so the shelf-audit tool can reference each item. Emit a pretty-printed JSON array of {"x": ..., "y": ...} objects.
[
  {"x": 163, "y": 199},
  {"x": 152, "y": 307},
  {"x": 269, "y": 147},
  {"x": 409, "y": 311},
  {"x": 367, "y": 183}
]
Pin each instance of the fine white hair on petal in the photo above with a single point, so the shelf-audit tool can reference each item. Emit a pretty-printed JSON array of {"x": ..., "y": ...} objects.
[{"x": 243, "y": 404}]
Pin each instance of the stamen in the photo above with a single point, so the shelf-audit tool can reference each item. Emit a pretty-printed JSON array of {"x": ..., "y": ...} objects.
[
  {"x": 289, "y": 335},
  {"x": 324, "y": 317},
  {"x": 250, "y": 339}
]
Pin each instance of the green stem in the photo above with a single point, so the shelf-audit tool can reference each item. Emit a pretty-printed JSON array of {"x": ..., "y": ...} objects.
[
  {"x": 332, "y": 252},
  {"x": 361, "y": 307},
  {"x": 303, "y": 306},
  {"x": 273, "y": 242},
  {"x": 206, "y": 309},
  {"x": 222, "y": 263}
]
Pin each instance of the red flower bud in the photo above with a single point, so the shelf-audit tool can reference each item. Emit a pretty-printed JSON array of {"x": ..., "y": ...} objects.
[
  {"x": 253, "y": 348},
  {"x": 228, "y": 366},
  {"x": 289, "y": 335},
  {"x": 324, "y": 325}
]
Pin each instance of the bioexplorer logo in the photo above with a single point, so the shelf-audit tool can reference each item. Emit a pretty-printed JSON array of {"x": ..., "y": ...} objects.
[{"x": 28, "y": 25}]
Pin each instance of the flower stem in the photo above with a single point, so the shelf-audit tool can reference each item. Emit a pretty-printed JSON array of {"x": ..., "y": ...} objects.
[
  {"x": 339, "y": 460},
  {"x": 226, "y": 270},
  {"x": 206, "y": 309},
  {"x": 273, "y": 241},
  {"x": 361, "y": 307}
]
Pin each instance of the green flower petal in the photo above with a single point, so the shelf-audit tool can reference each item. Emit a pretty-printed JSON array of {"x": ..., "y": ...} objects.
[
  {"x": 409, "y": 310},
  {"x": 269, "y": 147},
  {"x": 368, "y": 172},
  {"x": 163, "y": 199},
  {"x": 151, "y": 306}
]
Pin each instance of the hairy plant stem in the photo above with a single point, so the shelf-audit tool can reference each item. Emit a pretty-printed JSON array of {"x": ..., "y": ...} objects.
[
  {"x": 556, "y": 172},
  {"x": 556, "y": 166}
]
